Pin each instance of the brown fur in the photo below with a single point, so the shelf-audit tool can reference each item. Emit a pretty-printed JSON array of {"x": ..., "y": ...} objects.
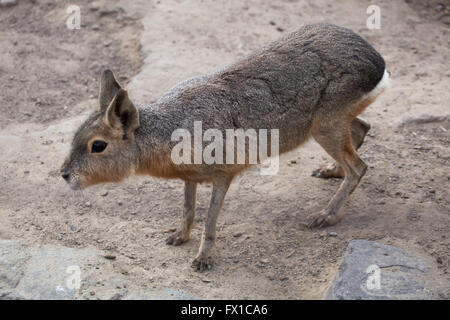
[{"x": 314, "y": 82}]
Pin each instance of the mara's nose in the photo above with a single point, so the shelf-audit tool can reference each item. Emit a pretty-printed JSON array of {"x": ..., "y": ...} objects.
[{"x": 65, "y": 175}]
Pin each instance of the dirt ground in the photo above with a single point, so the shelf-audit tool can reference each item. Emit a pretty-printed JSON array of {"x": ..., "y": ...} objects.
[{"x": 48, "y": 80}]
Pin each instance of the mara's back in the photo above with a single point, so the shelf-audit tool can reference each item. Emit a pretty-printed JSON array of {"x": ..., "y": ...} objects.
[{"x": 317, "y": 67}]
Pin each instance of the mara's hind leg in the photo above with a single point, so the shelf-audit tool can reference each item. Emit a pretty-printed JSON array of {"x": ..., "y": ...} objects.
[
  {"x": 337, "y": 142},
  {"x": 359, "y": 129}
]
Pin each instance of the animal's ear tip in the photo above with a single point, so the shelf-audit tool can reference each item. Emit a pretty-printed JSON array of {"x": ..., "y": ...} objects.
[{"x": 108, "y": 74}]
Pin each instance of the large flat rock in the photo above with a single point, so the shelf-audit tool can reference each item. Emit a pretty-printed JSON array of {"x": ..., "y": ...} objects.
[
  {"x": 49, "y": 271},
  {"x": 374, "y": 271}
]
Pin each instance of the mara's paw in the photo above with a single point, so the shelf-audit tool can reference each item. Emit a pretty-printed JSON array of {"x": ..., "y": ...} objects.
[
  {"x": 202, "y": 264},
  {"x": 177, "y": 238},
  {"x": 322, "y": 220},
  {"x": 330, "y": 171}
]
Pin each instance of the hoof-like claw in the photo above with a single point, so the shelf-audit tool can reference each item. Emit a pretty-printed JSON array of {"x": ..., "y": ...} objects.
[
  {"x": 322, "y": 220},
  {"x": 331, "y": 171},
  {"x": 316, "y": 173},
  {"x": 176, "y": 238},
  {"x": 202, "y": 264}
]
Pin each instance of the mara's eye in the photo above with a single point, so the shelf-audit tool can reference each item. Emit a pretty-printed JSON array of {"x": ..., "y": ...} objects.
[{"x": 98, "y": 146}]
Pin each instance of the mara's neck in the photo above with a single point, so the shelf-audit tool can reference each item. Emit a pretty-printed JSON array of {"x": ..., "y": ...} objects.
[{"x": 153, "y": 139}]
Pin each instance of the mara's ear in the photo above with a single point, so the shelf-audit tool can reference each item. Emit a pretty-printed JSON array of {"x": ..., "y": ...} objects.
[
  {"x": 108, "y": 89},
  {"x": 121, "y": 113}
]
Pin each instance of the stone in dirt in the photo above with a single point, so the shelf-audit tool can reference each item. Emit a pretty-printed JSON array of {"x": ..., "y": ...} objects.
[
  {"x": 50, "y": 272},
  {"x": 374, "y": 271}
]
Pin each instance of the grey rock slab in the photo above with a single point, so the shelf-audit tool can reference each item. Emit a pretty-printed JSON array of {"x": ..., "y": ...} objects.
[
  {"x": 48, "y": 272},
  {"x": 12, "y": 261},
  {"x": 374, "y": 271},
  {"x": 51, "y": 271},
  {"x": 164, "y": 294}
]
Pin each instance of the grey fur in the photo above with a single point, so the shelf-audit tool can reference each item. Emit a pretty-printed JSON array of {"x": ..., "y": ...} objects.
[
  {"x": 317, "y": 67},
  {"x": 311, "y": 82}
]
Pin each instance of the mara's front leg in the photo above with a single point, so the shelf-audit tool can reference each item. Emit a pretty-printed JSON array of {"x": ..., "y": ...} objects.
[
  {"x": 203, "y": 260},
  {"x": 183, "y": 233}
]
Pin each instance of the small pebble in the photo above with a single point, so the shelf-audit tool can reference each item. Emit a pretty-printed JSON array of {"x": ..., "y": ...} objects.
[
  {"x": 47, "y": 142},
  {"x": 333, "y": 234}
]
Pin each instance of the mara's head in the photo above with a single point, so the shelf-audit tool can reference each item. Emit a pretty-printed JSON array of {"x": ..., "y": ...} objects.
[{"x": 104, "y": 147}]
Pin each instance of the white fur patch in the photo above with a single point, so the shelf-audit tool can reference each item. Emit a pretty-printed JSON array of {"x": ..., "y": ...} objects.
[{"x": 384, "y": 83}]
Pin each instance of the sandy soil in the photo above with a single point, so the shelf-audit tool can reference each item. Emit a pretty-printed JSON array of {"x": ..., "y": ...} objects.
[{"x": 49, "y": 83}]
